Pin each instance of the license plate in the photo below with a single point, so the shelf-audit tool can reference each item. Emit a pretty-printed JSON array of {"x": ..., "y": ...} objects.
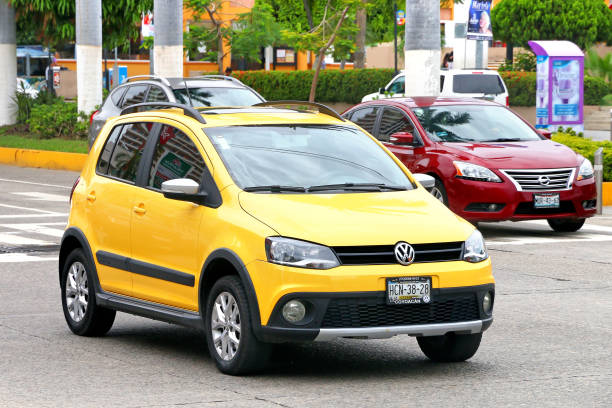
[
  {"x": 546, "y": 200},
  {"x": 408, "y": 290}
]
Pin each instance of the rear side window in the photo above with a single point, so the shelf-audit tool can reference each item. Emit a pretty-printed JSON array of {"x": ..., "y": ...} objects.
[
  {"x": 366, "y": 118},
  {"x": 156, "y": 94},
  {"x": 135, "y": 94},
  {"x": 109, "y": 146},
  {"x": 175, "y": 156},
  {"x": 128, "y": 151},
  {"x": 117, "y": 94},
  {"x": 478, "y": 83}
]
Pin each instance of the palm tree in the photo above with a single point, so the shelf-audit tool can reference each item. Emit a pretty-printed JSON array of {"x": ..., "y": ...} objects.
[
  {"x": 168, "y": 38},
  {"x": 89, "y": 54},
  {"x": 422, "y": 48},
  {"x": 437, "y": 122},
  {"x": 8, "y": 64}
]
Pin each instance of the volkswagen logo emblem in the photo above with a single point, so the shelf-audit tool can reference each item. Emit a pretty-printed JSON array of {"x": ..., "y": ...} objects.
[
  {"x": 544, "y": 180},
  {"x": 404, "y": 253}
]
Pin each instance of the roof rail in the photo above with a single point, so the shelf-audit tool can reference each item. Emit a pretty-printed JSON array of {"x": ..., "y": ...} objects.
[
  {"x": 188, "y": 110},
  {"x": 155, "y": 77},
  {"x": 227, "y": 78},
  {"x": 322, "y": 108}
]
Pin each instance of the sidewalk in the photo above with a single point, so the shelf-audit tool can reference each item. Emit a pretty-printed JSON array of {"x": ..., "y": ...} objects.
[
  {"x": 604, "y": 220},
  {"x": 597, "y": 135}
]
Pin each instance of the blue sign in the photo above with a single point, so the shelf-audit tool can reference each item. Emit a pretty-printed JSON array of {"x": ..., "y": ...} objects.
[
  {"x": 400, "y": 16},
  {"x": 479, "y": 21}
]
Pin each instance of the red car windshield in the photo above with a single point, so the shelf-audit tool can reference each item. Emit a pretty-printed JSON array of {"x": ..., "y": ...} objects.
[{"x": 473, "y": 123}]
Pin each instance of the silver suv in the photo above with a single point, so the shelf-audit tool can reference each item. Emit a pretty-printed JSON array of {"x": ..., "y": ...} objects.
[{"x": 207, "y": 90}]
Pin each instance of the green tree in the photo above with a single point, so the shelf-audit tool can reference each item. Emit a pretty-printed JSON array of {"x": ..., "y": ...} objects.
[
  {"x": 255, "y": 30},
  {"x": 584, "y": 22}
]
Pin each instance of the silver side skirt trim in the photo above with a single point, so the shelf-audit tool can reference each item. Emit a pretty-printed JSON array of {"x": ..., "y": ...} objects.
[{"x": 384, "y": 332}]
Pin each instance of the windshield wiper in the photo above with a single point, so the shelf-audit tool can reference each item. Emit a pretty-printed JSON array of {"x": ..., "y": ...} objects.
[
  {"x": 356, "y": 187},
  {"x": 506, "y": 139},
  {"x": 276, "y": 189}
]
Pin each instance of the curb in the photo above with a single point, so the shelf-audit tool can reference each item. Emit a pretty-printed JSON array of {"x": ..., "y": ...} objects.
[
  {"x": 43, "y": 159},
  {"x": 76, "y": 161}
]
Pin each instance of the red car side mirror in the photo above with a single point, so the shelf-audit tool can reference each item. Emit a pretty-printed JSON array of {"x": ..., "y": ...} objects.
[
  {"x": 402, "y": 138},
  {"x": 544, "y": 133}
]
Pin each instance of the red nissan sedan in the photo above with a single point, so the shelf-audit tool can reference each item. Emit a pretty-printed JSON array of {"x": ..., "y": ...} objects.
[{"x": 488, "y": 163}]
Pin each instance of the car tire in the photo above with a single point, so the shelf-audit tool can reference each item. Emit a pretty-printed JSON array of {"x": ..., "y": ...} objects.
[
  {"x": 236, "y": 352},
  {"x": 439, "y": 192},
  {"x": 451, "y": 347},
  {"x": 83, "y": 315},
  {"x": 566, "y": 224}
]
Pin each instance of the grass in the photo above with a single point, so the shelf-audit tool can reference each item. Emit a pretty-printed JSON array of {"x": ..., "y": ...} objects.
[{"x": 11, "y": 136}]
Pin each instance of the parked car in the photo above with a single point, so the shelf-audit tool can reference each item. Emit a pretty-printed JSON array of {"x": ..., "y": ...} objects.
[
  {"x": 24, "y": 87},
  {"x": 259, "y": 225},
  {"x": 207, "y": 90},
  {"x": 489, "y": 163},
  {"x": 477, "y": 83}
]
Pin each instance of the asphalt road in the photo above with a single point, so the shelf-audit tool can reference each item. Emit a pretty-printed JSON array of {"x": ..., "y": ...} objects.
[{"x": 549, "y": 345}]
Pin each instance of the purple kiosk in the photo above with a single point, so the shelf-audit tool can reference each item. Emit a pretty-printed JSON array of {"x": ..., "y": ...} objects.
[{"x": 560, "y": 85}]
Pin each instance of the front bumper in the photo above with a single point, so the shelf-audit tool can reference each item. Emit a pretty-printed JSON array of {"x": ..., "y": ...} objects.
[
  {"x": 464, "y": 195},
  {"x": 366, "y": 315}
]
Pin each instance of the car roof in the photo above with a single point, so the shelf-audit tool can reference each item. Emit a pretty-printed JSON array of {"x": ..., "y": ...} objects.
[
  {"x": 426, "y": 101},
  {"x": 179, "y": 83},
  {"x": 247, "y": 116}
]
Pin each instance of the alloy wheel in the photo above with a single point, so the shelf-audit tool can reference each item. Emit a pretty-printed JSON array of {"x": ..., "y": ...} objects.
[
  {"x": 225, "y": 326},
  {"x": 77, "y": 291},
  {"x": 437, "y": 193}
]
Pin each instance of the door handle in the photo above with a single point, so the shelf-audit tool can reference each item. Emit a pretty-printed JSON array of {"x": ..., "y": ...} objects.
[
  {"x": 140, "y": 210},
  {"x": 91, "y": 196}
]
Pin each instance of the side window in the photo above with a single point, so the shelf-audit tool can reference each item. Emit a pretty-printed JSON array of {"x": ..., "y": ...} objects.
[
  {"x": 135, "y": 94},
  {"x": 175, "y": 156},
  {"x": 366, "y": 118},
  {"x": 392, "y": 121},
  {"x": 128, "y": 151},
  {"x": 442, "y": 82},
  {"x": 109, "y": 146},
  {"x": 117, "y": 94},
  {"x": 398, "y": 86},
  {"x": 156, "y": 94}
]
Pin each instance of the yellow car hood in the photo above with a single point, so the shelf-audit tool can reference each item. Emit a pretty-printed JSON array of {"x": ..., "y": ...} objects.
[{"x": 358, "y": 218}]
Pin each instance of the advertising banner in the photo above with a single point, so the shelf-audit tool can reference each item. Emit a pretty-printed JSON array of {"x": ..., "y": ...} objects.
[
  {"x": 479, "y": 21},
  {"x": 566, "y": 95},
  {"x": 542, "y": 92}
]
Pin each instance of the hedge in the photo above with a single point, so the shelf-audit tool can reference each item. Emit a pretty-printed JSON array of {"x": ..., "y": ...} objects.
[
  {"x": 348, "y": 85},
  {"x": 587, "y": 147},
  {"x": 522, "y": 88}
]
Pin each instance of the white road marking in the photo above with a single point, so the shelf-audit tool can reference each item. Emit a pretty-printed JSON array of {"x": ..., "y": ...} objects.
[
  {"x": 52, "y": 215},
  {"x": 36, "y": 184},
  {"x": 545, "y": 240},
  {"x": 586, "y": 226},
  {"x": 37, "y": 228},
  {"x": 18, "y": 258},
  {"x": 27, "y": 209},
  {"x": 37, "y": 196},
  {"x": 11, "y": 239}
]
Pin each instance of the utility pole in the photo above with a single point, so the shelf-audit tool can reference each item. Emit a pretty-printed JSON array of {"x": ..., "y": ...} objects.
[
  {"x": 168, "y": 38},
  {"x": 422, "y": 49},
  {"x": 8, "y": 64},
  {"x": 89, "y": 54}
]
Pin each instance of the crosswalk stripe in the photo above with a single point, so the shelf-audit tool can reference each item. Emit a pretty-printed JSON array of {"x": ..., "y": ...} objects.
[
  {"x": 27, "y": 209},
  {"x": 545, "y": 240},
  {"x": 37, "y": 196},
  {"x": 36, "y": 184},
  {"x": 18, "y": 258},
  {"x": 12, "y": 239},
  {"x": 36, "y": 228},
  {"x": 53, "y": 215}
]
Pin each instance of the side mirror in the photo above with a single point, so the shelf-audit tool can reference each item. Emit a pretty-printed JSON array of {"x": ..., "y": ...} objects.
[
  {"x": 402, "y": 138},
  {"x": 544, "y": 133},
  {"x": 425, "y": 179},
  {"x": 183, "y": 190},
  {"x": 381, "y": 90}
]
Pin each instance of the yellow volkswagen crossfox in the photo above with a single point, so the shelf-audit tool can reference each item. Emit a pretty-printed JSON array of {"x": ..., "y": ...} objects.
[{"x": 280, "y": 222}]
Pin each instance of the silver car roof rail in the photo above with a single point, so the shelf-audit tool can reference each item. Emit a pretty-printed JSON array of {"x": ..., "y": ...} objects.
[
  {"x": 154, "y": 77},
  {"x": 227, "y": 78},
  {"x": 188, "y": 110},
  {"x": 322, "y": 108}
]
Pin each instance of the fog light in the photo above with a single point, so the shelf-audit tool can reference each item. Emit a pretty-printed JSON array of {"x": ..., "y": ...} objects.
[
  {"x": 294, "y": 311},
  {"x": 487, "y": 303}
]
